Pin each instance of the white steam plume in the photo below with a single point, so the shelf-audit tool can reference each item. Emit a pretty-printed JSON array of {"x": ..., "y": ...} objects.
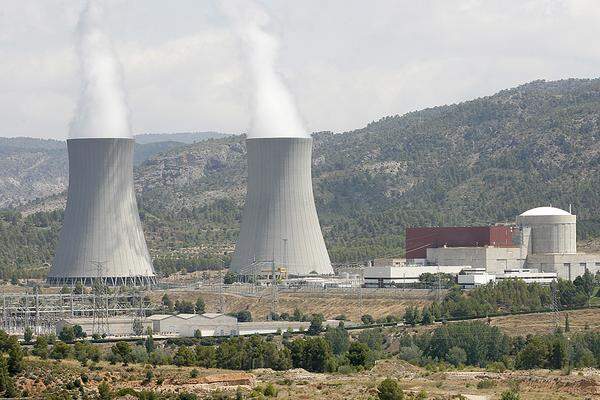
[
  {"x": 274, "y": 113},
  {"x": 102, "y": 110}
]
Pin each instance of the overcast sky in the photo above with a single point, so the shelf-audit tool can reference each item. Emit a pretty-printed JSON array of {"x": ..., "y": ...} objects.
[{"x": 347, "y": 62}]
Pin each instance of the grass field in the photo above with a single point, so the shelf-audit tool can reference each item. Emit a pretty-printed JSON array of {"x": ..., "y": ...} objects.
[{"x": 329, "y": 305}]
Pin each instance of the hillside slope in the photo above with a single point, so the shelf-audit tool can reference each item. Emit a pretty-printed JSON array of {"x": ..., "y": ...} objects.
[{"x": 476, "y": 162}]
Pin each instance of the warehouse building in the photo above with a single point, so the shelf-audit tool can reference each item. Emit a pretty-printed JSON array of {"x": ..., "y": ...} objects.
[
  {"x": 186, "y": 325},
  {"x": 388, "y": 276},
  {"x": 161, "y": 324}
]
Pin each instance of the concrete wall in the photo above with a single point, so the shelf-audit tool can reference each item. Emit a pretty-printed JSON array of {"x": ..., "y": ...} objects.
[
  {"x": 280, "y": 219},
  {"x": 101, "y": 223},
  {"x": 494, "y": 259},
  {"x": 567, "y": 266},
  {"x": 551, "y": 233}
]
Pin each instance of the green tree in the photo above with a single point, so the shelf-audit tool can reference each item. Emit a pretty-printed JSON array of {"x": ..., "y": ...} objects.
[
  {"x": 558, "y": 353},
  {"x": 28, "y": 335},
  {"x": 60, "y": 351},
  {"x": 184, "y": 306},
  {"x": 78, "y": 332},
  {"x": 338, "y": 339},
  {"x": 230, "y": 277},
  {"x": 123, "y": 351},
  {"x": 367, "y": 319},
  {"x": 185, "y": 356},
  {"x": 15, "y": 359},
  {"x": 67, "y": 334},
  {"x": 534, "y": 355},
  {"x": 427, "y": 317},
  {"x": 149, "y": 342},
  {"x": 200, "y": 306},
  {"x": 358, "y": 354},
  {"x": 167, "y": 302},
  {"x": 389, "y": 389},
  {"x": 40, "y": 347},
  {"x": 243, "y": 316},
  {"x": 412, "y": 316},
  {"x": 316, "y": 325},
  {"x": 586, "y": 284}
]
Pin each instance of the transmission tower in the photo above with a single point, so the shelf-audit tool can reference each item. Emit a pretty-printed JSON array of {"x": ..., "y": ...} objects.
[
  {"x": 274, "y": 290},
  {"x": 100, "y": 311},
  {"x": 555, "y": 304}
]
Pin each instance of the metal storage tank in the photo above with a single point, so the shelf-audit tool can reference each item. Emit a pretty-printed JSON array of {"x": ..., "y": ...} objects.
[
  {"x": 552, "y": 230},
  {"x": 102, "y": 234},
  {"x": 280, "y": 221}
]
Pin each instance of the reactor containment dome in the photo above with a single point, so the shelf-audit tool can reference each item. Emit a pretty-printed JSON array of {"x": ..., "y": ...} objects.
[
  {"x": 553, "y": 231},
  {"x": 102, "y": 237},
  {"x": 280, "y": 226}
]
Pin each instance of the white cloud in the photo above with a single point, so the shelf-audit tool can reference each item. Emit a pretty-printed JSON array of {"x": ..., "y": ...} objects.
[{"x": 347, "y": 62}]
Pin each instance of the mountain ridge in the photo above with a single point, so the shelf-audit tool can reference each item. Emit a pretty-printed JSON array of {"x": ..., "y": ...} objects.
[{"x": 473, "y": 163}]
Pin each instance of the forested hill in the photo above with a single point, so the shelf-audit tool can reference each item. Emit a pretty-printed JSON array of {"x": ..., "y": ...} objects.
[{"x": 476, "y": 162}]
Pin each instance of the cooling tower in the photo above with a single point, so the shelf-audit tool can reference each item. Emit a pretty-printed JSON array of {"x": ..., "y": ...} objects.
[
  {"x": 102, "y": 234},
  {"x": 280, "y": 221}
]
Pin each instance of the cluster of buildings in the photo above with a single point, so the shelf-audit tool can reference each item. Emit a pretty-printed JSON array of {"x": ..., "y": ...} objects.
[
  {"x": 539, "y": 247},
  {"x": 182, "y": 325}
]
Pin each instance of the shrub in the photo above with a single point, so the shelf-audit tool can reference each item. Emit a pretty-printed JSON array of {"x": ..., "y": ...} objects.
[
  {"x": 486, "y": 384},
  {"x": 389, "y": 389},
  {"x": 510, "y": 395},
  {"x": 270, "y": 390}
]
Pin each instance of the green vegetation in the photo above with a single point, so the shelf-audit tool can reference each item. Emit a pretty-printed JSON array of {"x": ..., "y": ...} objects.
[
  {"x": 27, "y": 244},
  {"x": 389, "y": 389},
  {"x": 507, "y": 296},
  {"x": 476, "y": 343}
]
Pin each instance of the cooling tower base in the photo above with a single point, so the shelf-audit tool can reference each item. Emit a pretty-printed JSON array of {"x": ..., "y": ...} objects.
[{"x": 108, "y": 281}]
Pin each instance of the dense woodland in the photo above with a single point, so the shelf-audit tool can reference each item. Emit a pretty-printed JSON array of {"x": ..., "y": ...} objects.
[{"x": 477, "y": 162}]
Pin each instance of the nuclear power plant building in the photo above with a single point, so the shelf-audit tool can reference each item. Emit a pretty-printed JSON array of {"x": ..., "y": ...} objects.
[
  {"x": 543, "y": 239},
  {"x": 102, "y": 235},
  {"x": 280, "y": 226}
]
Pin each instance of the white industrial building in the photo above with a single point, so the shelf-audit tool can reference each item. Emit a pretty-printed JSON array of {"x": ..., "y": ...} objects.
[
  {"x": 546, "y": 242},
  {"x": 186, "y": 325},
  {"x": 387, "y": 276},
  {"x": 161, "y": 324}
]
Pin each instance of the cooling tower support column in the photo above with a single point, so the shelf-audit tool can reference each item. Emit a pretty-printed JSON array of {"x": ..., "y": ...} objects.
[
  {"x": 102, "y": 235},
  {"x": 280, "y": 221}
]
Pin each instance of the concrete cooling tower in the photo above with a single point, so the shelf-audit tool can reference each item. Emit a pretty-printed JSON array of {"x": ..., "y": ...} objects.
[
  {"x": 102, "y": 234},
  {"x": 280, "y": 221}
]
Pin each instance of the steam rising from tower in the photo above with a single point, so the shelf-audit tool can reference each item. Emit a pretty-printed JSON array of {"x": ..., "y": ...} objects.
[
  {"x": 102, "y": 237},
  {"x": 102, "y": 107},
  {"x": 274, "y": 113}
]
